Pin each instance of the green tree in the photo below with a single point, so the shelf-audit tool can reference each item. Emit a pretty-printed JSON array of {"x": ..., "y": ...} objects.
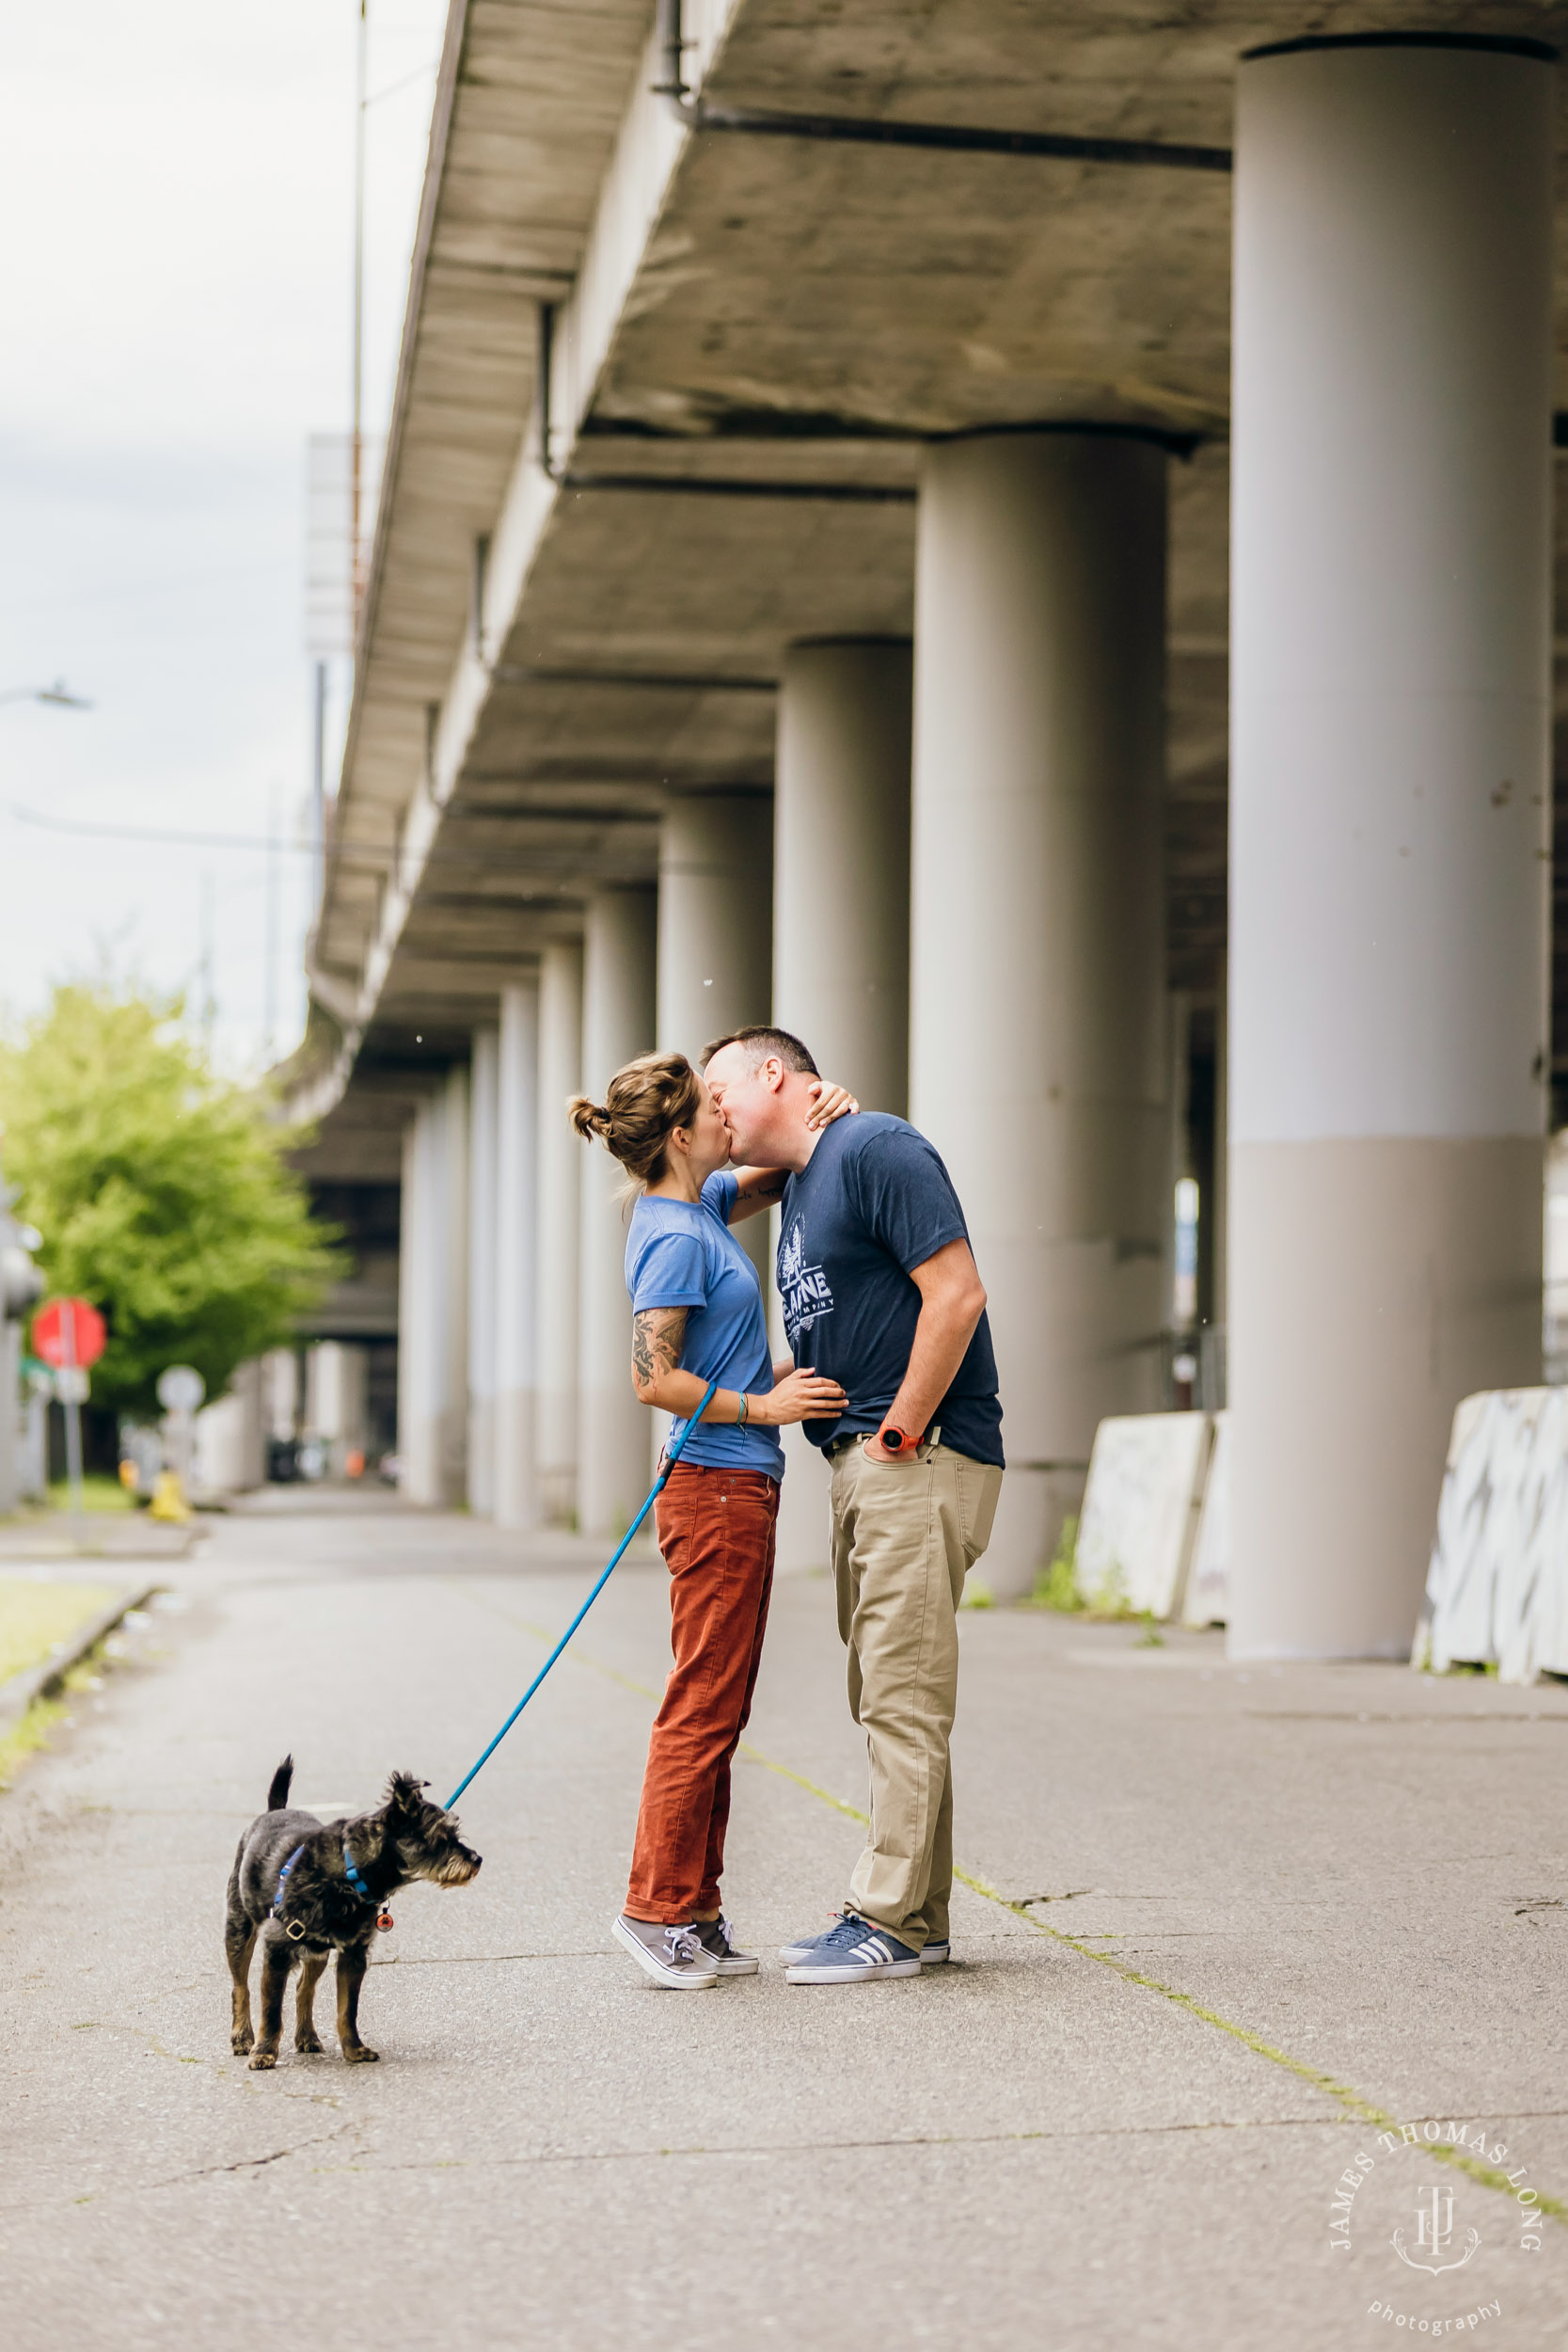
[{"x": 160, "y": 1192}]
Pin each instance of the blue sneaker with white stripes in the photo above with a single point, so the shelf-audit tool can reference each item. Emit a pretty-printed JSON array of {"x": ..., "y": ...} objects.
[
  {"x": 852, "y": 1952},
  {"x": 933, "y": 1956}
]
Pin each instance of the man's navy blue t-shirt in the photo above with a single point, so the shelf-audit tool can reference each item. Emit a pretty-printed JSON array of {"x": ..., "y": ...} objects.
[{"x": 873, "y": 1201}]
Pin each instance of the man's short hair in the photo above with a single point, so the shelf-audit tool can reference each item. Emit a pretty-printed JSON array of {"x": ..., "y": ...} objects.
[{"x": 760, "y": 1043}]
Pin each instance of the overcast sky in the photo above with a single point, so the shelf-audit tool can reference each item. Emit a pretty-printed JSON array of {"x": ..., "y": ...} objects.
[{"x": 177, "y": 181}]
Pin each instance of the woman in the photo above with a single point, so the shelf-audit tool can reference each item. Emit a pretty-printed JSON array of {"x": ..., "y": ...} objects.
[{"x": 696, "y": 1315}]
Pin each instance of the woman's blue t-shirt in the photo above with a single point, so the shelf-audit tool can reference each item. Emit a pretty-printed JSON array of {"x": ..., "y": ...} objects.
[{"x": 681, "y": 1253}]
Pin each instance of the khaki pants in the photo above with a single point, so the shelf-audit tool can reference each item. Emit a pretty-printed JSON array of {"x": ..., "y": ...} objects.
[{"x": 905, "y": 1536}]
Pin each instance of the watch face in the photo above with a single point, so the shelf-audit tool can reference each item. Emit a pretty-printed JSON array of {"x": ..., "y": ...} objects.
[{"x": 893, "y": 1441}]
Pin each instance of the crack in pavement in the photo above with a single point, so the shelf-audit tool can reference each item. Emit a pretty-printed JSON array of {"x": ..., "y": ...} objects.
[
  {"x": 601, "y": 1952},
  {"x": 487, "y": 1960},
  {"x": 179, "y": 2180},
  {"x": 1352, "y": 2101},
  {"x": 1372, "y": 1715},
  {"x": 243, "y": 2164},
  {"x": 842, "y": 2147}
]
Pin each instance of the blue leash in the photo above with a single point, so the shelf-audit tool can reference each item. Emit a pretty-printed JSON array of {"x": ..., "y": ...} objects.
[{"x": 649, "y": 1500}]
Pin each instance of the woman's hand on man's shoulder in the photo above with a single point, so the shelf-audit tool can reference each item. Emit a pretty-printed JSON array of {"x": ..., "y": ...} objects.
[{"x": 830, "y": 1101}]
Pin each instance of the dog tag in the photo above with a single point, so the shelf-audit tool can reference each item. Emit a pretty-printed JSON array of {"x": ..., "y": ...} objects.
[{"x": 384, "y": 1920}]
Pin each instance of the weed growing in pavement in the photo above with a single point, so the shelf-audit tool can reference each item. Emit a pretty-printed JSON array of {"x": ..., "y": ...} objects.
[
  {"x": 1056, "y": 1587},
  {"x": 977, "y": 1595},
  {"x": 29, "y": 1734}
]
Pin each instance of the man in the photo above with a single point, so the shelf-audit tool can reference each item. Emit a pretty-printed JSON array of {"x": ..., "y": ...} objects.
[{"x": 882, "y": 1294}]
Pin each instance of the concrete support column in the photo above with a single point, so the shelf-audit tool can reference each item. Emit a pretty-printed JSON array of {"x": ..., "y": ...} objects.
[
  {"x": 1391, "y": 602},
  {"x": 230, "y": 1454},
  {"x": 1179, "y": 1282},
  {"x": 841, "y": 861},
  {"x": 452, "y": 1259},
  {"x": 559, "y": 1226},
  {"x": 280, "y": 1366},
  {"x": 715, "y": 918},
  {"x": 418, "y": 1350},
  {"x": 336, "y": 1386},
  {"x": 1222, "y": 1158},
  {"x": 517, "y": 1161},
  {"x": 432, "y": 1297},
  {"x": 482, "y": 1107},
  {"x": 716, "y": 933},
  {"x": 1038, "y": 1024},
  {"x": 617, "y": 1023},
  {"x": 841, "y": 925}
]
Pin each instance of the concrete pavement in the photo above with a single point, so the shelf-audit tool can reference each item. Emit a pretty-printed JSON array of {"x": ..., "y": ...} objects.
[{"x": 1245, "y": 1930}]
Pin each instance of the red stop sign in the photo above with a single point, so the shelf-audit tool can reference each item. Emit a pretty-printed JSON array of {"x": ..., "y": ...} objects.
[{"x": 68, "y": 1331}]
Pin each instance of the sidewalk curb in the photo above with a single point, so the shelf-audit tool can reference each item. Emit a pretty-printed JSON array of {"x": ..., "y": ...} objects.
[
  {"x": 35, "y": 1682},
  {"x": 30, "y": 1546}
]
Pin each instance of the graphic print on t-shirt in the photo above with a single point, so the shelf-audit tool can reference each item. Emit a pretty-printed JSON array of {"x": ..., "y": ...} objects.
[{"x": 803, "y": 1290}]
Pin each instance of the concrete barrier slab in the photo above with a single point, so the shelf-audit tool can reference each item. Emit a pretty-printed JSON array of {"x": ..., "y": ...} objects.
[
  {"x": 1497, "y": 1582},
  {"x": 1140, "y": 1510}
]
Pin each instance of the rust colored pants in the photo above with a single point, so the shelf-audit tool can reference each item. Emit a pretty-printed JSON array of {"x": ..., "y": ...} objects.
[{"x": 716, "y": 1532}]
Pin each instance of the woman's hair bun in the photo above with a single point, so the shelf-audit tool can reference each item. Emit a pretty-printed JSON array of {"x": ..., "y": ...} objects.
[
  {"x": 644, "y": 1104},
  {"x": 589, "y": 1118}
]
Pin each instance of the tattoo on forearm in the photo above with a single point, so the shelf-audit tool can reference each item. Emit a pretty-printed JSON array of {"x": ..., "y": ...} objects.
[
  {"x": 641, "y": 1351},
  {"x": 770, "y": 1187},
  {"x": 657, "y": 1337}
]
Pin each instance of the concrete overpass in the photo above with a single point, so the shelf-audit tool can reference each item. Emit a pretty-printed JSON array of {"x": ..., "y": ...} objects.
[{"x": 782, "y": 380}]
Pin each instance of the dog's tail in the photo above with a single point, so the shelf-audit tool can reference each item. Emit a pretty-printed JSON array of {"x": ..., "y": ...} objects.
[{"x": 282, "y": 1780}]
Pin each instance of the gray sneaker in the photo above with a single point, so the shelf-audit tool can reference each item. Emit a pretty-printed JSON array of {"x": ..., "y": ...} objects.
[
  {"x": 673, "y": 1956},
  {"x": 715, "y": 1938},
  {"x": 855, "y": 1951},
  {"x": 792, "y": 1955}
]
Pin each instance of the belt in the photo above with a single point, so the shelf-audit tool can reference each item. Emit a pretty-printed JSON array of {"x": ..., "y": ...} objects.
[{"x": 859, "y": 1437}]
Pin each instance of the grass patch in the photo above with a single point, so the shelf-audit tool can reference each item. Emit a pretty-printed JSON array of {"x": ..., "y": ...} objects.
[
  {"x": 977, "y": 1595},
  {"x": 99, "y": 1493},
  {"x": 34, "y": 1615},
  {"x": 32, "y": 1733}
]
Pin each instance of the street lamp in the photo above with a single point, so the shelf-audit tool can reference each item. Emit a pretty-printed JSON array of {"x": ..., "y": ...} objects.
[{"x": 58, "y": 693}]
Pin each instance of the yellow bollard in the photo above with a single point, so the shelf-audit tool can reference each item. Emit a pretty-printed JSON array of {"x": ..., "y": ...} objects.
[{"x": 168, "y": 1498}]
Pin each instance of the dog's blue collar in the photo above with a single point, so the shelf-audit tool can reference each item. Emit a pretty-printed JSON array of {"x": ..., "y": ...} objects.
[{"x": 354, "y": 1877}]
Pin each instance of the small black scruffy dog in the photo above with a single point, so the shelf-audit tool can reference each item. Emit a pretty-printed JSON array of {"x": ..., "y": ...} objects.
[{"x": 309, "y": 1891}]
